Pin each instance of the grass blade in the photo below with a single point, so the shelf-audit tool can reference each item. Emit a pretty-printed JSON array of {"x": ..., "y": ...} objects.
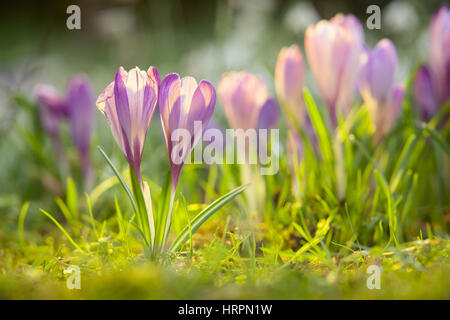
[
  {"x": 203, "y": 216},
  {"x": 21, "y": 223},
  {"x": 62, "y": 229},
  {"x": 320, "y": 127},
  {"x": 122, "y": 181}
]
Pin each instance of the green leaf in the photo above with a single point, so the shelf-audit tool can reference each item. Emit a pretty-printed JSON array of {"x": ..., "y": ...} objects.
[
  {"x": 319, "y": 126},
  {"x": 163, "y": 210},
  {"x": 122, "y": 181},
  {"x": 203, "y": 216},
  {"x": 21, "y": 222},
  {"x": 435, "y": 136},
  {"x": 72, "y": 198},
  {"x": 62, "y": 229},
  {"x": 91, "y": 215},
  {"x": 383, "y": 184},
  {"x": 400, "y": 166},
  {"x": 141, "y": 208}
]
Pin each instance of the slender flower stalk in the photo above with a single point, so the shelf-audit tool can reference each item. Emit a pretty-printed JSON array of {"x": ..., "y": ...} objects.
[
  {"x": 377, "y": 86},
  {"x": 128, "y": 104},
  {"x": 248, "y": 105},
  {"x": 183, "y": 104},
  {"x": 80, "y": 109},
  {"x": 333, "y": 49}
]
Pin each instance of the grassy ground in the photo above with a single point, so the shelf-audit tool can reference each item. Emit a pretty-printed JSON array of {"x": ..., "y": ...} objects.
[{"x": 312, "y": 239}]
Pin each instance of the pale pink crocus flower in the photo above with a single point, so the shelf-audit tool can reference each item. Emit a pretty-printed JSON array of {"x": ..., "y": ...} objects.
[
  {"x": 128, "y": 104},
  {"x": 333, "y": 49}
]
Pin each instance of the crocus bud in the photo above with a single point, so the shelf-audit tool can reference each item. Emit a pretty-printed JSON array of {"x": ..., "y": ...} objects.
[
  {"x": 333, "y": 49},
  {"x": 289, "y": 80},
  {"x": 188, "y": 106},
  {"x": 128, "y": 104},
  {"x": 424, "y": 91},
  {"x": 80, "y": 107},
  {"x": 52, "y": 111},
  {"x": 52, "y": 108},
  {"x": 440, "y": 52},
  {"x": 377, "y": 88},
  {"x": 246, "y": 101}
]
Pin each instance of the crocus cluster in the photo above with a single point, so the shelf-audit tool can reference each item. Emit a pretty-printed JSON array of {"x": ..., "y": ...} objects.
[
  {"x": 377, "y": 86},
  {"x": 130, "y": 101},
  {"x": 341, "y": 64},
  {"x": 431, "y": 86},
  {"x": 76, "y": 108}
]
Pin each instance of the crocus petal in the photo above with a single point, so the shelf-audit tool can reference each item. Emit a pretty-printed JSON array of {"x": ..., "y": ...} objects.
[
  {"x": 182, "y": 102},
  {"x": 242, "y": 95},
  {"x": 425, "y": 93},
  {"x": 268, "y": 115},
  {"x": 128, "y": 104},
  {"x": 289, "y": 80},
  {"x": 80, "y": 105},
  {"x": 378, "y": 71},
  {"x": 52, "y": 108},
  {"x": 440, "y": 52},
  {"x": 385, "y": 115}
]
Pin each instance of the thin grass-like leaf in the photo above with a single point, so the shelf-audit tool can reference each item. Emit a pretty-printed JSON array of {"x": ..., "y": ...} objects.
[
  {"x": 122, "y": 181},
  {"x": 203, "y": 216},
  {"x": 21, "y": 222},
  {"x": 319, "y": 126},
  {"x": 62, "y": 229},
  {"x": 91, "y": 215}
]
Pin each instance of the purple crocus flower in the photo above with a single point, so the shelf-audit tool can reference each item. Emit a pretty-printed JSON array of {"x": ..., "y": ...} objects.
[
  {"x": 52, "y": 108},
  {"x": 52, "y": 111},
  {"x": 431, "y": 87},
  {"x": 80, "y": 108},
  {"x": 128, "y": 104},
  {"x": 424, "y": 91},
  {"x": 333, "y": 49},
  {"x": 187, "y": 106},
  {"x": 289, "y": 81},
  {"x": 440, "y": 52},
  {"x": 377, "y": 75},
  {"x": 246, "y": 101}
]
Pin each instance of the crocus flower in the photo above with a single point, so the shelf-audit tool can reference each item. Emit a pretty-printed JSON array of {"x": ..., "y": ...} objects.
[
  {"x": 183, "y": 104},
  {"x": 52, "y": 108},
  {"x": 333, "y": 49},
  {"x": 384, "y": 99},
  {"x": 128, "y": 104},
  {"x": 289, "y": 80},
  {"x": 246, "y": 101},
  {"x": 440, "y": 52},
  {"x": 431, "y": 87},
  {"x": 80, "y": 108},
  {"x": 424, "y": 91},
  {"x": 52, "y": 111}
]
